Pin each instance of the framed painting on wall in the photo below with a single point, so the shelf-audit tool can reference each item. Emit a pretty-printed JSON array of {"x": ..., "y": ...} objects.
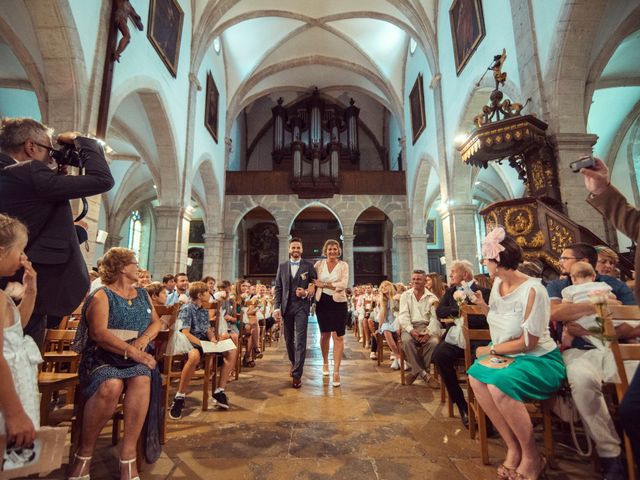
[
  {"x": 467, "y": 29},
  {"x": 416, "y": 103},
  {"x": 431, "y": 231},
  {"x": 211, "y": 107},
  {"x": 165, "y": 31}
]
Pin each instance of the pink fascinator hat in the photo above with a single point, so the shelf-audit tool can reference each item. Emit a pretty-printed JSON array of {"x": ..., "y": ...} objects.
[{"x": 491, "y": 247}]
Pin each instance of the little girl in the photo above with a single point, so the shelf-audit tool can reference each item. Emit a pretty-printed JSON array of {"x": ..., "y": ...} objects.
[{"x": 19, "y": 398}]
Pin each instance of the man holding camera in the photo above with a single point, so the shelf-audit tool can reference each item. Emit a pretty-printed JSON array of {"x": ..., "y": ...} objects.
[{"x": 38, "y": 195}]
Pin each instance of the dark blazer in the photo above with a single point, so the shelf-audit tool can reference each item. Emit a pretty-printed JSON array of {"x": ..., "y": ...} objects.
[
  {"x": 626, "y": 218},
  {"x": 448, "y": 307},
  {"x": 286, "y": 286},
  {"x": 39, "y": 197}
]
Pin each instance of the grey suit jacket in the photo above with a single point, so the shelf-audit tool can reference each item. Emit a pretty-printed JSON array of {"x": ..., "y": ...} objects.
[{"x": 283, "y": 294}]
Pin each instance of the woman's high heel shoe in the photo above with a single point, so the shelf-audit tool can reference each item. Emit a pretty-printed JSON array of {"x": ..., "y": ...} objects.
[
  {"x": 85, "y": 463},
  {"x": 325, "y": 370},
  {"x": 128, "y": 464},
  {"x": 336, "y": 379},
  {"x": 542, "y": 474}
]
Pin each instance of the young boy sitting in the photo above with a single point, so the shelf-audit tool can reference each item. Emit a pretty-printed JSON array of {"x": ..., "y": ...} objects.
[
  {"x": 196, "y": 327},
  {"x": 583, "y": 278}
]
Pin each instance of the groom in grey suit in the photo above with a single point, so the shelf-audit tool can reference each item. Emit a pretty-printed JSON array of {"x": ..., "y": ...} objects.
[{"x": 294, "y": 289}]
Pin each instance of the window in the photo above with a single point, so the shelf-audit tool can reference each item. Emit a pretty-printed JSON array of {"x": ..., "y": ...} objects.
[{"x": 135, "y": 232}]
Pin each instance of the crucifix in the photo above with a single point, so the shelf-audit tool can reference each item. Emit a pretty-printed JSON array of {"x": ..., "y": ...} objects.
[{"x": 121, "y": 12}]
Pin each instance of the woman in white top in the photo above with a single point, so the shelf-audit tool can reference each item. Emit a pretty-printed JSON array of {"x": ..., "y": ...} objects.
[
  {"x": 522, "y": 362},
  {"x": 331, "y": 305}
]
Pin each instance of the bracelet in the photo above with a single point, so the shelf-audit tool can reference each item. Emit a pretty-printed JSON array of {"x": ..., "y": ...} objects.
[
  {"x": 125, "y": 352},
  {"x": 147, "y": 335}
]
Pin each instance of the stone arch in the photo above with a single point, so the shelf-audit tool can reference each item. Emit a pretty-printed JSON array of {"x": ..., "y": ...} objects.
[
  {"x": 139, "y": 196},
  {"x": 65, "y": 92},
  {"x": 573, "y": 38},
  {"x": 623, "y": 30},
  {"x": 36, "y": 80},
  {"x": 393, "y": 209},
  {"x": 149, "y": 92},
  {"x": 418, "y": 197},
  {"x": 211, "y": 205},
  {"x": 315, "y": 203}
]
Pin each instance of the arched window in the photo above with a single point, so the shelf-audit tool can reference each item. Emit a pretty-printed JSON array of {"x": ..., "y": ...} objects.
[{"x": 135, "y": 232}]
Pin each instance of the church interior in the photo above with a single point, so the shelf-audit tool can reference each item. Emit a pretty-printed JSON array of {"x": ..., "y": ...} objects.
[{"x": 406, "y": 129}]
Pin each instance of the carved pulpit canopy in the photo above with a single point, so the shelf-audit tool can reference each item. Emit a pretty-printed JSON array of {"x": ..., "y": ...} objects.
[{"x": 503, "y": 133}]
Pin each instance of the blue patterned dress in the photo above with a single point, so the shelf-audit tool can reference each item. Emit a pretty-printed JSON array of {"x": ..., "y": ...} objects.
[{"x": 123, "y": 316}]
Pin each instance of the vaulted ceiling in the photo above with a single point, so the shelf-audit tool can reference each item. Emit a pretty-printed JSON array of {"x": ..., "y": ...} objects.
[{"x": 291, "y": 44}]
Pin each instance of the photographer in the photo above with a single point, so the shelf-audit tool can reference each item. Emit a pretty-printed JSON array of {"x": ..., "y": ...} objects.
[{"x": 38, "y": 195}]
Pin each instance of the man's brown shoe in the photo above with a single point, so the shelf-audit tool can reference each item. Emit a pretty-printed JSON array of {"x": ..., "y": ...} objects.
[
  {"x": 296, "y": 383},
  {"x": 410, "y": 378}
]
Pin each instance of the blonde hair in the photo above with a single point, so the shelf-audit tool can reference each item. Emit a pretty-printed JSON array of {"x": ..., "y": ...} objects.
[
  {"x": 388, "y": 296},
  {"x": 113, "y": 262},
  {"x": 582, "y": 270},
  {"x": 607, "y": 253},
  {"x": 10, "y": 231},
  {"x": 330, "y": 242},
  {"x": 437, "y": 287}
]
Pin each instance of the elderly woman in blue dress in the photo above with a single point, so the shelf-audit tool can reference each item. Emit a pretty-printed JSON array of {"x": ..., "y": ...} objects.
[
  {"x": 522, "y": 362},
  {"x": 111, "y": 365}
]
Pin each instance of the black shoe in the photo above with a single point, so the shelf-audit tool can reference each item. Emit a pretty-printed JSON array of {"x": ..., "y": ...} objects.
[
  {"x": 175, "y": 412},
  {"x": 220, "y": 401},
  {"x": 613, "y": 468},
  {"x": 491, "y": 430},
  {"x": 464, "y": 418}
]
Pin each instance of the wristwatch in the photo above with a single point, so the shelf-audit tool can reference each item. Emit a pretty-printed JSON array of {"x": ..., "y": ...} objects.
[{"x": 493, "y": 352}]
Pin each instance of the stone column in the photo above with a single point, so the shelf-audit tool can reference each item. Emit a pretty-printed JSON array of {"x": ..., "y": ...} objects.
[
  {"x": 213, "y": 255},
  {"x": 172, "y": 240},
  {"x": 283, "y": 248},
  {"x": 229, "y": 258},
  {"x": 570, "y": 146},
  {"x": 419, "y": 252},
  {"x": 112, "y": 241},
  {"x": 401, "y": 258},
  {"x": 347, "y": 255},
  {"x": 459, "y": 233}
]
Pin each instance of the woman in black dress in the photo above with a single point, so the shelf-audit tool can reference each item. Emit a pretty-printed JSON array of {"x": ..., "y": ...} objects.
[{"x": 331, "y": 306}]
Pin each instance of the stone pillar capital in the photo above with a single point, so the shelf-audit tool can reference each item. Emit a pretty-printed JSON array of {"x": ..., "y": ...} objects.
[
  {"x": 172, "y": 211},
  {"x": 213, "y": 236},
  {"x": 578, "y": 142},
  {"x": 455, "y": 209},
  {"x": 347, "y": 238}
]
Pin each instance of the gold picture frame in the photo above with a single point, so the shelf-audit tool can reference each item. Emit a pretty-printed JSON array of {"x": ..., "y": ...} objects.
[
  {"x": 467, "y": 30},
  {"x": 211, "y": 107},
  {"x": 416, "y": 103},
  {"x": 165, "y": 31}
]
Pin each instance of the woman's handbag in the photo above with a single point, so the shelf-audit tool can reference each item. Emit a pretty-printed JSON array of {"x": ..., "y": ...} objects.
[{"x": 564, "y": 408}]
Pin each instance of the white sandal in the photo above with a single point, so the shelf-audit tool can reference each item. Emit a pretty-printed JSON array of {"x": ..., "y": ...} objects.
[
  {"x": 128, "y": 463},
  {"x": 84, "y": 461}
]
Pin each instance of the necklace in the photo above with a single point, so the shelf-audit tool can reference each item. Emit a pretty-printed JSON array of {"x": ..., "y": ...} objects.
[{"x": 119, "y": 292}]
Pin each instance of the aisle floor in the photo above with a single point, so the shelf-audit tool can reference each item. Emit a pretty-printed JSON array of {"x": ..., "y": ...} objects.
[{"x": 371, "y": 427}]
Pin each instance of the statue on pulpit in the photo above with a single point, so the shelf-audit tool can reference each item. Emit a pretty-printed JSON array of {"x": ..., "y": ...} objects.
[{"x": 122, "y": 13}]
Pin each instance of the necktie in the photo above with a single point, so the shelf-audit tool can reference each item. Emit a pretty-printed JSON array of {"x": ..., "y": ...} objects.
[{"x": 294, "y": 264}]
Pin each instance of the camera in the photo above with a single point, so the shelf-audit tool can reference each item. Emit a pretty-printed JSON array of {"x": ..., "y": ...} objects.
[
  {"x": 67, "y": 155},
  {"x": 587, "y": 162}
]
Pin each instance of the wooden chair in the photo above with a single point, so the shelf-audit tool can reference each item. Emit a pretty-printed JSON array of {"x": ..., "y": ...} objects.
[
  {"x": 74, "y": 317},
  {"x": 207, "y": 372},
  {"x": 622, "y": 352},
  {"x": 58, "y": 371},
  {"x": 539, "y": 410},
  {"x": 402, "y": 359}
]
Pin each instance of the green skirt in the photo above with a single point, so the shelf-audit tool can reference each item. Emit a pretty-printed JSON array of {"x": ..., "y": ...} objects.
[{"x": 526, "y": 378}]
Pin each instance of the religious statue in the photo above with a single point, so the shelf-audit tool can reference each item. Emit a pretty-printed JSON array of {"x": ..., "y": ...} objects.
[
  {"x": 122, "y": 13},
  {"x": 498, "y": 75}
]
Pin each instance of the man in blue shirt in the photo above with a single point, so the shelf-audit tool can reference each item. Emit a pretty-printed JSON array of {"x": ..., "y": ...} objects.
[{"x": 584, "y": 361}]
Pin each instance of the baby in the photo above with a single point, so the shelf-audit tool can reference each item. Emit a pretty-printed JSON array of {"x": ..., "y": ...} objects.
[{"x": 583, "y": 277}]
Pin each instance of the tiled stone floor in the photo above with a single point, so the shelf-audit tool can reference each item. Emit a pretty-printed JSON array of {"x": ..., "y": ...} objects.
[{"x": 371, "y": 427}]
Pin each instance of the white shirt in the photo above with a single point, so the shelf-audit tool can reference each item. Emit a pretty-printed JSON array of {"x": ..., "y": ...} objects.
[
  {"x": 579, "y": 293},
  {"x": 294, "y": 268},
  {"x": 506, "y": 316},
  {"x": 96, "y": 284},
  {"x": 415, "y": 311},
  {"x": 328, "y": 277}
]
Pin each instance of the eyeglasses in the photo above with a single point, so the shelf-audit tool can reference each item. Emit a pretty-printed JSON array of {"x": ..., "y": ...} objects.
[
  {"x": 49, "y": 148},
  {"x": 564, "y": 259}
]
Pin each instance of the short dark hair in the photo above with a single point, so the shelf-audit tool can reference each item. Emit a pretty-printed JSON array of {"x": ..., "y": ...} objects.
[
  {"x": 168, "y": 278},
  {"x": 584, "y": 250},
  {"x": 511, "y": 256},
  {"x": 181, "y": 275},
  {"x": 295, "y": 239},
  {"x": 207, "y": 278}
]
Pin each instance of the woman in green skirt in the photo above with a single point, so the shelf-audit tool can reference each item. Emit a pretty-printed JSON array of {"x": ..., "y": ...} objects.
[{"x": 522, "y": 363}]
